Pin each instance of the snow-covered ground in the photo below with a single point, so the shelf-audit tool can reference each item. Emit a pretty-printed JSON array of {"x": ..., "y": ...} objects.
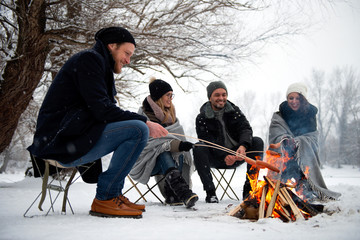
[{"x": 206, "y": 221}]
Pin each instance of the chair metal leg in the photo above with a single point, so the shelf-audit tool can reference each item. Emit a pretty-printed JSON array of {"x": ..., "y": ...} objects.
[
  {"x": 49, "y": 186},
  {"x": 134, "y": 185},
  {"x": 149, "y": 189},
  {"x": 228, "y": 186},
  {"x": 228, "y": 183}
]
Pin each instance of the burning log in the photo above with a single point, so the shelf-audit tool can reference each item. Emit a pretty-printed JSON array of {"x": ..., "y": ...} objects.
[
  {"x": 281, "y": 196},
  {"x": 277, "y": 198},
  {"x": 283, "y": 216},
  {"x": 293, "y": 206},
  {"x": 262, "y": 202},
  {"x": 245, "y": 210},
  {"x": 274, "y": 200},
  {"x": 271, "y": 205},
  {"x": 313, "y": 209}
]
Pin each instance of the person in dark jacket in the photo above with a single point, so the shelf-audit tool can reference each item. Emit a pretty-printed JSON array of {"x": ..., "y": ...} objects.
[
  {"x": 222, "y": 122},
  {"x": 79, "y": 121},
  {"x": 168, "y": 156},
  {"x": 294, "y": 125}
]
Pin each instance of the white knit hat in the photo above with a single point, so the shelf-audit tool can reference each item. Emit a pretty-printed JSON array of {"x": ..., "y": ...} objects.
[{"x": 298, "y": 88}]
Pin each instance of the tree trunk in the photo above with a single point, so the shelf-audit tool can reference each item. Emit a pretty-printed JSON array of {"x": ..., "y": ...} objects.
[
  {"x": 6, "y": 161},
  {"x": 24, "y": 71}
]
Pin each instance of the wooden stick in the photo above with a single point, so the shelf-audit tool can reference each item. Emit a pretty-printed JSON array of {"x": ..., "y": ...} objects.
[
  {"x": 262, "y": 202},
  {"x": 283, "y": 215},
  {"x": 294, "y": 208},
  {"x": 250, "y": 161},
  {"x": 235, "y": 210},
  {"x": 273, "y": 199},
  {"x": 257, "y": 163},
  {"x": 281, "y": 196},
  {"x": 223, "y": 149},
  {"x": 213, "y": 144},
  {"x": 286, "y": 212}
]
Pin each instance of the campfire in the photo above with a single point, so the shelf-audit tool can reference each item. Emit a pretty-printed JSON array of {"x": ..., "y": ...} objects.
[{"x": 283, "y": 194}]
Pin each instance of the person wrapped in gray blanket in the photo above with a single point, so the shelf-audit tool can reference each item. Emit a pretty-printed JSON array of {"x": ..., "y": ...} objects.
[
  {"x": 167, "y": 156},
  {"x": 295, "y": 125}
]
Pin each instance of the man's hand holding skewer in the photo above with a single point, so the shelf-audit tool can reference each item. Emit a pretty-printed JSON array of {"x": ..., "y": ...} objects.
[{"x": 240, "y": 154}]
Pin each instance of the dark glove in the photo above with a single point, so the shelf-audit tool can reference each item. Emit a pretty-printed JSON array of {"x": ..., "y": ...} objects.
[{"x": 185, "y": 146}]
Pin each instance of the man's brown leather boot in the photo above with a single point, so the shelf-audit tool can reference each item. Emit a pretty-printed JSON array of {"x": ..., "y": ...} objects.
[
  {"x": 113, "y": 208},
  {"x": 140, "y": 207}
]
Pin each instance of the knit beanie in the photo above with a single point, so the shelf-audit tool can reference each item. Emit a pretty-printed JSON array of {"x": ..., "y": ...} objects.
[
  {"x": 158, "y": 88},
  {"x": 298, "y": 88},
  {"x": 213, "y": 86},
  {"x": 114, "y": 35}
]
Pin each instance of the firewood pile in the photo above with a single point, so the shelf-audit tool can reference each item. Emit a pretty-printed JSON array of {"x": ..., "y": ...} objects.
[
  {"x": 275, "y": 200},
  {"x": 276, "y": 197}
]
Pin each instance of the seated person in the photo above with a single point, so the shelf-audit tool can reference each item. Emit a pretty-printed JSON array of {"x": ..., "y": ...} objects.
[
  {"x": 222, "y": 122},
  {"x": 79, "y": 121},
  {"x": 169, "y": 155},
  {"x": 295, "y": 126}
]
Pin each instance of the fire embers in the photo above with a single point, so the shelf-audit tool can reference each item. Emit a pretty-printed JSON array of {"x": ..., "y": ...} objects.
[{"x": 281, "y": 195}]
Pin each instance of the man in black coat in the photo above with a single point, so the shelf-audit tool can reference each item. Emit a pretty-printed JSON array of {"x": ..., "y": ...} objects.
[
  {"x": 79, "y": 121},
  {"x": 221, "y": 122}
]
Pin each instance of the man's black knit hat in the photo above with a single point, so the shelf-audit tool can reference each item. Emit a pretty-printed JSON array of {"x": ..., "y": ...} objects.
[
  {"x": 213, "y": 86},
  {"x": 158, "y": 88},
  {"x": 114, "y": 35}
]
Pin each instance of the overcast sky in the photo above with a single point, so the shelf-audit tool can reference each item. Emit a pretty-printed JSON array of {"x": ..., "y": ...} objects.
[{"x": 335, "y": 42}]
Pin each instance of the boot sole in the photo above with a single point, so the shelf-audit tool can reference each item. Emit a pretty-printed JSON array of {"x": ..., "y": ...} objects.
[
  {"x": 104, "y": 215},
  {"x": 175, "y": 204},
  {"x": 191, "y": 201}
]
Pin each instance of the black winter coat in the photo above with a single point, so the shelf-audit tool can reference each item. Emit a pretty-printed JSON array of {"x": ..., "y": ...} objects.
[
  {"x": 77, "y": 107},
  {"x": 210, "y": 129}
]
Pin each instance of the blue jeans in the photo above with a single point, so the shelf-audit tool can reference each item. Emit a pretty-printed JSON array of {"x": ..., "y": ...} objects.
[
  {"x": 126, "y": 139},
  {"x": 164, "y": 162}
]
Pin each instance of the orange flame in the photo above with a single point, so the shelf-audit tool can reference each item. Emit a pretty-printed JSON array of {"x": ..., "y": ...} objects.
[{"x": 278, "y": 160}]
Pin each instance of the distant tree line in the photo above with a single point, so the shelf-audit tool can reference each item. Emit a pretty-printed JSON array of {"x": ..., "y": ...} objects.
[{"x": 337, "y": 97}]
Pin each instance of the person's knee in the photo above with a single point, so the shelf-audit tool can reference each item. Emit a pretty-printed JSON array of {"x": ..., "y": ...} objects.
[
  {"x": 142, "y": 128},
  {"x": 199, "y": 151}
]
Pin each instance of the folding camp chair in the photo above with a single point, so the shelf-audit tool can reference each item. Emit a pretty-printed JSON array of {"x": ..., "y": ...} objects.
[
  {"x": 220, "y": 175},
  {"x": 55, "y": 185},
  {"x": 144, "y": 191},
  {"x": 157, "y": 180}
]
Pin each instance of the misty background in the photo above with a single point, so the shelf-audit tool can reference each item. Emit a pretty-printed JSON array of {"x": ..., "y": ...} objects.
[{"x": 257, "y": 48}]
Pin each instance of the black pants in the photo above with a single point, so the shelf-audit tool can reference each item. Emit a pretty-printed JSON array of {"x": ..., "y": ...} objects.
[{"x": 204, "y": 160}]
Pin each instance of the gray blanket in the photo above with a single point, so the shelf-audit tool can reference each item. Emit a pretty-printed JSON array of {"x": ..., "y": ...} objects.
[
  {"x": 143, "y": 167},
  {"x": 307, "y": 155}
]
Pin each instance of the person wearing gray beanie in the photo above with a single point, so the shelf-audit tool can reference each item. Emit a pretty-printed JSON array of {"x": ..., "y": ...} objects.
[
  {"x": 223, "y": 123},
  {"x": 213, "y": 86}
]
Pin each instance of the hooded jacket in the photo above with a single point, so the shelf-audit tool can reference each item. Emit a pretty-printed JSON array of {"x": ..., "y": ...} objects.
[
  {"x": 77, "y": 107},
  {"x": 210, "y": 129}
]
